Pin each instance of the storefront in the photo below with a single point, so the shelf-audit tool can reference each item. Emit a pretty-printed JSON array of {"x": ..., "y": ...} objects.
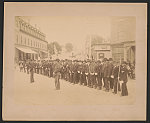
[
  {"x": 130, "y": 50},
  {"x": 124, "y": 51},
  {"x": 25, "y": 54}
]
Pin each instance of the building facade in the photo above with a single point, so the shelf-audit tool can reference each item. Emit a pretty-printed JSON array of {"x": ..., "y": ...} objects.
[
  {"x": 30, "y": 42},
  {"x": 123, "y": 30},
  {"x": 97, "y": 48},
  {"x": 100, "y": 51}
]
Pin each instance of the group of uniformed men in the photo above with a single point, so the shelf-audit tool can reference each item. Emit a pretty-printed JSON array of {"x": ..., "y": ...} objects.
[{"x": 106, "y": 74}]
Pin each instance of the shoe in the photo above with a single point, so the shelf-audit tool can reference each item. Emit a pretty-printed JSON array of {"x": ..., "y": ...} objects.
[{"x": 114, "y": 92}]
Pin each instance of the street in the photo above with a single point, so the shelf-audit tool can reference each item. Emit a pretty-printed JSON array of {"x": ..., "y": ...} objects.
[{"x": 43, "y": 91}]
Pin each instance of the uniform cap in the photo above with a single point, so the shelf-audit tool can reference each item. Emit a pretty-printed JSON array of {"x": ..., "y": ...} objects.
[
  {"x": 110, "y": 59},
  {"x": 57, "y": 60}
]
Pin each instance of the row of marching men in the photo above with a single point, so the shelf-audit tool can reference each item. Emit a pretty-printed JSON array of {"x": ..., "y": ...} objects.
[{"x": 107, "y": 75}]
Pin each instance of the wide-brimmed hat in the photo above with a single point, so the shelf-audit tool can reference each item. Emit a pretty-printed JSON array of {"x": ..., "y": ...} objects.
[{"x": 57, "y": 60}]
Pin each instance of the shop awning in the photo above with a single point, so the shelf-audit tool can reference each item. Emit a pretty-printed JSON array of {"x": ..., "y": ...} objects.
[
  {"x": 26, "y": 50},
  {"x": 43, "y": 51}
]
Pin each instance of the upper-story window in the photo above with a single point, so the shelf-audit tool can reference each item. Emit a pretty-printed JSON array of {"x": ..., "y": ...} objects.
[
  {"x": 21, "y": 39},
  {"x": 23, "y": 27},
  {"x": 25, "y": 41},
  {"x": 28, "y": 41},
  {"x": 29, "y": 29},
  {"x": 17, "y": 39}
]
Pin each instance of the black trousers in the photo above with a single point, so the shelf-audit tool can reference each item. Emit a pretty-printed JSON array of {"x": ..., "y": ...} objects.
[
  {"x": 99, "y": 81},
  {"x": 124, "y": 91},
  {"x": 116, "y": 85},
  {"x": 88, "y": 79},
  {"x": 92, "y": 80},
  {"x": 71, "y": 77},
  {"x": 111, "y": 81},
  {"x": 32, "y": 76},
  {"x": 106, "y": 83},
  {"x": 83, "y": 78},
  {"x": 75, "y": 77},
  {"x": 57, "y": 83}
]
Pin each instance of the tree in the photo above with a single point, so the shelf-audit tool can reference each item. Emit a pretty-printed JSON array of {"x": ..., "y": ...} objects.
[
  {"x": 96, "y": 39},
  {"x": 69, "y": 47},
  {"x": 51, "y": 48},
  {"x": 58, "y": 47}
]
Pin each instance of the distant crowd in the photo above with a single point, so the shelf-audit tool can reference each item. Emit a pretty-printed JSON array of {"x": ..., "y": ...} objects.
[{"x": 107, "y": 75}]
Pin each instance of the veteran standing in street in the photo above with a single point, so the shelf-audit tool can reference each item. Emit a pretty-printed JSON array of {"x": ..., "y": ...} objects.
[
  {"x": 31, "y": 64},
  {"x": 124, "y": 78},
  {"x": 57, "y": 70}
]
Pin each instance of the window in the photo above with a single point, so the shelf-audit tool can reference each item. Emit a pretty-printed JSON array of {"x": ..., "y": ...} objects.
[
  {"x": 17, "y": 39},
  {"x": 31, "y": 43},
  {"x": 28, "y": 41},
  {"x": 21, "y": 39},
  {"x": 101, "y": 55},
  {"x": 23, "y": 27},
  {"x": 25, "y": 41}
]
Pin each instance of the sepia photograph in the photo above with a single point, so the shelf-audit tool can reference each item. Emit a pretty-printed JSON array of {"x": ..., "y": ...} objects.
[
  {"x": 73, "y": 61},
  {"x": 90, "y": 60}
]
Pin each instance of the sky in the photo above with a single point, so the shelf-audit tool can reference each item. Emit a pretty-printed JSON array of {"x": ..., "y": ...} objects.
[{"x": 71, "y": 29}]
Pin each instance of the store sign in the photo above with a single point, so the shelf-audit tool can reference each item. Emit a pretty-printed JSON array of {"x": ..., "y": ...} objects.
[
  {"x": 102, "y": 47},
  {"x": 101, "y": 55}
]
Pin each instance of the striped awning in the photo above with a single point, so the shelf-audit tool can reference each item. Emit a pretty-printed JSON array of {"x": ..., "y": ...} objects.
[{"x": 26, "y": 50}]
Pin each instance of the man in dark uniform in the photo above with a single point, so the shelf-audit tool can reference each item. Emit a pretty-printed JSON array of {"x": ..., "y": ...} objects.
[
  {"x": 105, "y": 75},
  {"x": 75, "y": 70},
  {"x": 38, "y": 68},
  {"x": 78, "y": 71},
  {"x": 57, "y": 70},
  {"x": 98, "y": 76},
  {"x": 67, "y": 71},
  {"x": 63, "y": 71},
  {"x": 28, "y": 67},
  {"x": 51, "y": 69},
  {"x": 92, "y": 66},
  {"x": 87, "y": 73},
  {"x": 31, "y": 65},
  {"x": 110, "y": 69},
  {"x": 24, "y": 66},
  {"x": 123, "y": 77},
  {"x": 115, "y": 76},
  {"x": 71, "y": 71},
  {"x": 83, "y": 76},
  {"x": 80, "y": 66}
]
